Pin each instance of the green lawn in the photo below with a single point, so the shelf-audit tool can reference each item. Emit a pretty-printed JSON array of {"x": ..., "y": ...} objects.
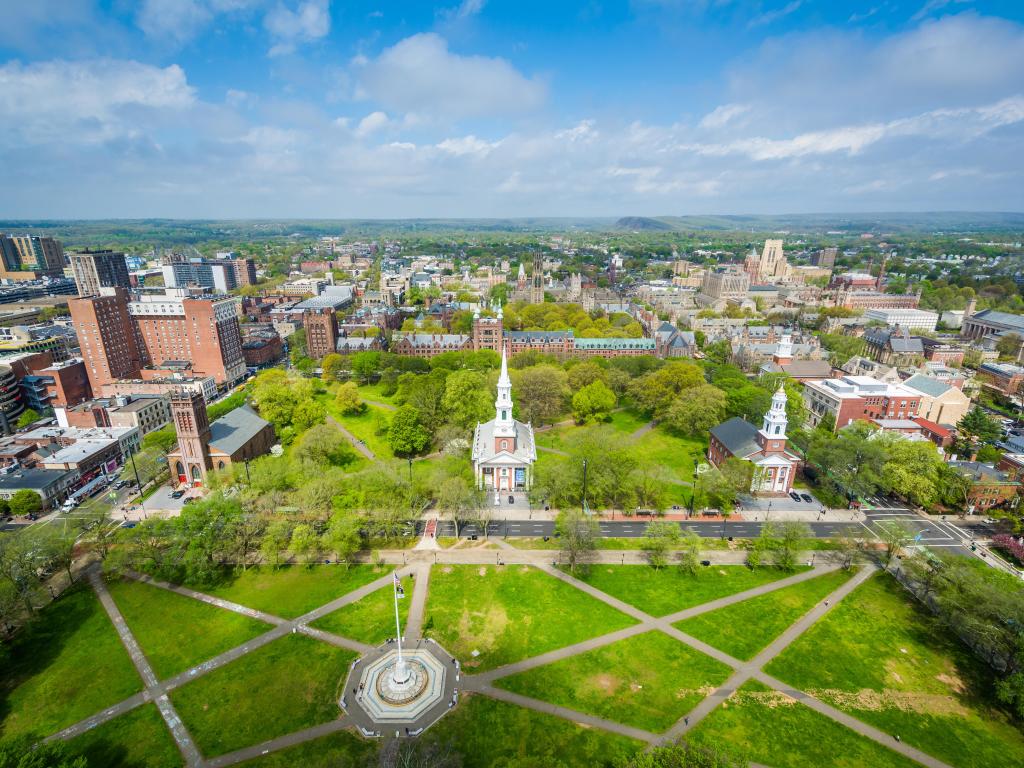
[
  {"x": 293, "y": 590},
  {"x": 363, "y": 425},
  {"x": 67, "y": 665},
  {"x": 290, "y": 684},
  {"x": 671, "y": 451},
  {"x": 743, "y": 629},
  {"x": 178, "y": 632},
  {"x": 888, "y": 662},
  {"x": 648, "y": 681},
  {"x": 343, "y": 749},
  {"x": 765, "y": 727},
  {"x": 491, "y": 733},
  {"x": 625, "y": 421},
  {"x": 665, "y": 591},
  {"x": 372, "y": 619},
  {"x": 375, "y": 392},
  {"x": 510, "y": 613},
  {"x": 136, "y": 739}
]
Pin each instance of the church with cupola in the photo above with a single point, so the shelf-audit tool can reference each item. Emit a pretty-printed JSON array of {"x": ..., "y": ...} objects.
[
  {"x": 774, "y": 464},
  {"x": 503, "y": 448}
]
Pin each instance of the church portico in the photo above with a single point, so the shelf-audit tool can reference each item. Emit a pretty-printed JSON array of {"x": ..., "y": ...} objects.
[{"x": 503, "y": 448}]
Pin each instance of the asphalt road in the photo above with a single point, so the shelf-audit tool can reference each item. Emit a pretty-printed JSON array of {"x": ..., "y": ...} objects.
[{"x": 951, "y": 536}]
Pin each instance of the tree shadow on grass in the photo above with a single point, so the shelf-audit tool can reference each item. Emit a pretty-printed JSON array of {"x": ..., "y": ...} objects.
[{"x": 38, "y": 644}]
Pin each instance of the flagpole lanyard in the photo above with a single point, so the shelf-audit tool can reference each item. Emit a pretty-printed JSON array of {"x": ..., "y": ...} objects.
[{"x": 398, "y": 627}]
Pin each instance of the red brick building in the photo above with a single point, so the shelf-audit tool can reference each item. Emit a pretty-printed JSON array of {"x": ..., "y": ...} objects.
[
  {"x": 850, "y": 398},
  {"x": 106, "y": 335},
  {"x": 321, "y": 332}
]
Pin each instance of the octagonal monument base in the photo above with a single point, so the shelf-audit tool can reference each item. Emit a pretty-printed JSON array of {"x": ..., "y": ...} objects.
[{"x": 379, "y": 705}]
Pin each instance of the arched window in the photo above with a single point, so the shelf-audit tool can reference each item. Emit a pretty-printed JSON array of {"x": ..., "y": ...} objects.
[
  {"x": 180, "y": 469},
  {"x": 196, "y": 476},
  {"x": 504, "y": 445},
  {"x": 220, "y": 465}
]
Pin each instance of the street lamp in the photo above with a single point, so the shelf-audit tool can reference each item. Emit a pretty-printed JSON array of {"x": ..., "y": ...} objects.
[
  {"x": 410, "y": 469},
  {"x": 693, "y": 489},
  {"x": 584, "y": 486}
]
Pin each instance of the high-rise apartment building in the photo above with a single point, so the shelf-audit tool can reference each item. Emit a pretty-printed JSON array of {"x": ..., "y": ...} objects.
[
  {"x": 321, "y": 332},
  {"x": 106, "y": 335},
  {"x": 202, "y": 330},
  {"x": 28, "y": 257},
  {"x": 99, "y": 269},
  {"x": 43, "y": 255},
  {"x": 119, "y": 337},
  {"x": 245, "y": 271}
]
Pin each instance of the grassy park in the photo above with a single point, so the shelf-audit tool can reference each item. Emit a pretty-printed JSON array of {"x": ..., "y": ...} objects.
[
  {"x": 65, "y": 667},
  {"x": 294, "y": 590},
  {"x": 667, "y": 590},
  {"x": 287, "y": 685},
  {"x": 370, "y": 620},
  {"x": 132, "y": 740},
  {"x": 489, "y": 616},
  {"x": 875, "y": 655},
  {"x": 648, "y": 681},
  {"x": 177, "y": 632},
  {"x": 880, "y": 657},
  {"x": 765, "y": 727},
  {"x": 744, "y": 628}
]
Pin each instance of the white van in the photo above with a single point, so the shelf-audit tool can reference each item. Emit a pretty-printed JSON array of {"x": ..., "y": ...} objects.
[{"x": 68, "y": 505}]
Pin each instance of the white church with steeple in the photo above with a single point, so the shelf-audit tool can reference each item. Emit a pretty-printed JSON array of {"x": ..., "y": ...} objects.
[
  {"x": 774, "y": 464},
  {"x": 503, "y": 448}
]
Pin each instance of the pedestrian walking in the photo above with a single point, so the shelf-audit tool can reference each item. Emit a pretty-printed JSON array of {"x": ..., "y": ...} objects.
[
  {"x": 686, "y": 721},
  {"x": 897, "y": 737}
]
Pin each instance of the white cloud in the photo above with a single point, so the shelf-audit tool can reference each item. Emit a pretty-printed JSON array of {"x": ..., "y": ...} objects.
[
  {"x": 419, "y": 74},
  {"x": 181, "y": 20},
  {"x": 721, "y": 115},
  {"x": 958, "y": 124},
  {"x": 467, "y": 145},
  {"x": 464, "y": 10},
  {"x": 310, "y": 20},
  {"x": 372, "y": 123},
  {"x": 810, "y": 80},
  {"x": 86, "y": 100}
]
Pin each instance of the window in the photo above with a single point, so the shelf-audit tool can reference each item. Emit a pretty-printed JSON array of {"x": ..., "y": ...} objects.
[
  {"x": 504, "y": 445},
  {"x": 504, "y": 415}
]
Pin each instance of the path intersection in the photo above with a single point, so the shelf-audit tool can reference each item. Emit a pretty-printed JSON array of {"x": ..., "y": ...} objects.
[{"x": 157, "y": 691}]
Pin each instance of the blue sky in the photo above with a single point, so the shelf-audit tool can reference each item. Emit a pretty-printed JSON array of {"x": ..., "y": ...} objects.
[{"x": 322, "y": 108}]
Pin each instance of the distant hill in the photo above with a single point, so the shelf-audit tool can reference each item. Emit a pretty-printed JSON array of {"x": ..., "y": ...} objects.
[
  {"x": 931, "y": 222},
  {"x": 643, "y": 224}
]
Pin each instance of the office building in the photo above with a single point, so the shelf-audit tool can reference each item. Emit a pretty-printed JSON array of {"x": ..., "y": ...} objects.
[
  {"x": 42, "y": 255},
  {"x": 99, "y": 269},
  {"x": 904, "y": 317},
  {"x": 826, "y": 257}
]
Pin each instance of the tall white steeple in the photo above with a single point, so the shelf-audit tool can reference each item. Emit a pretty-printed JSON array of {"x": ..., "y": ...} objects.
[
  {"x": 775, "y": 420},
  {"x": 504, "y": 426}
]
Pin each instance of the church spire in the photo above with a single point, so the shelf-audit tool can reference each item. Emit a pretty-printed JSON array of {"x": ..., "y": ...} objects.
[
  {"x": 773, "y": 428},
  {"x": 504, "y": 426}
]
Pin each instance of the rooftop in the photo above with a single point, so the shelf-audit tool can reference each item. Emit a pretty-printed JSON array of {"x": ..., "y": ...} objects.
[{"x": 234, "y": 429}]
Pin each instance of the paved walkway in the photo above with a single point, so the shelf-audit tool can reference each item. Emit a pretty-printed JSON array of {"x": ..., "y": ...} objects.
[
  {"x": 182, "y": 737},
  {"x": 379, "y": 404},
  {"x": 644, "y": 429},
  {"x": 356, "y": 442},
  {"x": 483, "y": 683}
]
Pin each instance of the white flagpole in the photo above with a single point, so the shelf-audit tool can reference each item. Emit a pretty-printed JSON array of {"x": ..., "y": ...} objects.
[{"x": 400, "y": 672}]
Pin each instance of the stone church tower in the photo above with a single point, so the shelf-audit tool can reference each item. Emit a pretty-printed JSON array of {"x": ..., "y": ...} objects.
[{"x": 188, "y": 409}]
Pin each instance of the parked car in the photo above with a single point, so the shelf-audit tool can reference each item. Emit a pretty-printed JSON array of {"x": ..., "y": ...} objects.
[
  {"x": 177, "y": 494},
  {"x": 794, "y": 496},
  {"x": 807, "y": 497}
]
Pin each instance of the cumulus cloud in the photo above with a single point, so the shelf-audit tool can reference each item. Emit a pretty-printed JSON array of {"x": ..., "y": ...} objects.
[
  {"x": 181, "y": 20},
  {"x": 309, "y": 20},
  {"x": 421, "y": 75},
  {"x": 808, "y": 80},
  {"x": 90, "y": 100},
  {"x": 372, "y": 123}
]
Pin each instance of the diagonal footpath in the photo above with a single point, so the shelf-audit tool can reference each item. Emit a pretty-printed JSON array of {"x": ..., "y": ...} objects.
[
  {"x": 182, "y": 737},
  {"x": 414, "y": 621},
  {"x": 281, "y": 742},
  {"x": 252, "y": 613},
  {"x": 747, "y": 669},
  {"x": 282, "y": 628},
  {"x": 569, "y": 714}
]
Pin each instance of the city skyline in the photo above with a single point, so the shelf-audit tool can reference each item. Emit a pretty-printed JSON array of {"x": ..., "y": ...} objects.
[{"x": 266, "y": 108}]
